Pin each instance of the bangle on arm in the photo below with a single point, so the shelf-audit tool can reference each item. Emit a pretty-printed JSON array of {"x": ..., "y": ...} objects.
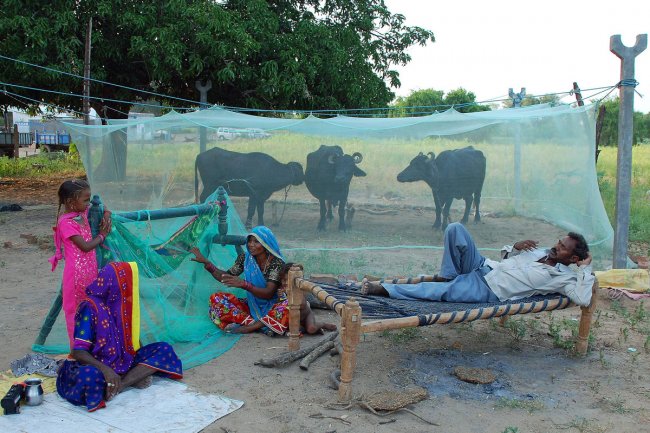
[
  {"x": 210, "y": 267},
  {"x": 102, "y": 238},
  {"x": 248, "y": 286}
]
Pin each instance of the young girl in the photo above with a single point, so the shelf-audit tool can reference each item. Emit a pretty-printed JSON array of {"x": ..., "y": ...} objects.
[{"x": 72, "y": 232}]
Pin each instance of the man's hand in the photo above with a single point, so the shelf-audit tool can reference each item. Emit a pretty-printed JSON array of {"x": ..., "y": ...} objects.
[
  {"x": 526, "y": 245},
  {"x": 586, "y": 261}
]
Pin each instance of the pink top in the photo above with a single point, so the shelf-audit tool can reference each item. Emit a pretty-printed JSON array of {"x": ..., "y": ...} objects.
[{"x": 80, "y": 267}]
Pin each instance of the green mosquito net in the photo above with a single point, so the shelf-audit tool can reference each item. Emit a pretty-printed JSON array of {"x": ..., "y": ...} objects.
[{"x": 539, "y": 181}]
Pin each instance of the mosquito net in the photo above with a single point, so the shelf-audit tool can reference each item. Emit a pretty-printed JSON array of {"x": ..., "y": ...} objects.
[{"x": 530, "y": 172}]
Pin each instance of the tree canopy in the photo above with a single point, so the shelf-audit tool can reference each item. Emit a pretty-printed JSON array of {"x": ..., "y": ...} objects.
[
  {"x": 271, "y": 54},
  {"x": 426, "y": 101},
  {"x": 609, "y": 132}
]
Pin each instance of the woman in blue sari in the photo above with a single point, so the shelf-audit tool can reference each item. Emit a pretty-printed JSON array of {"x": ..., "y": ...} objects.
[
  {"x": 106, "y": 357},
  {"x": 265, "y": 307}
]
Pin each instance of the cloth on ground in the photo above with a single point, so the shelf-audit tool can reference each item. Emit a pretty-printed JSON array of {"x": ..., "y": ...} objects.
[
  {"x": 632, "y": 280},
  {"x": 166, "y": 405},
  {"x": 35, "y": 363}
]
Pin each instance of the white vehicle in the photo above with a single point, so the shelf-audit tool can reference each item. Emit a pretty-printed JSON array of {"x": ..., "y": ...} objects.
[
  {"x": 228, "y": 133},
  {"x": 256, "y": 133}
]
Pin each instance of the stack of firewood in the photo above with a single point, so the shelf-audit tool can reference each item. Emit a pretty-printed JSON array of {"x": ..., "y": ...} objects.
[{"x": 308, "y": 354}]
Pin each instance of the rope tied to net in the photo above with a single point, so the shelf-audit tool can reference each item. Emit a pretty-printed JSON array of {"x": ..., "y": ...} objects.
[{"x": 629, "y": 82}]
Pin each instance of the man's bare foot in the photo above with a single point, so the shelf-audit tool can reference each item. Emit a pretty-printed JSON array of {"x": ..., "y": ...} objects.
[
  {"x": 372, "y": 288},
  {"x": 328, "y": 327}
]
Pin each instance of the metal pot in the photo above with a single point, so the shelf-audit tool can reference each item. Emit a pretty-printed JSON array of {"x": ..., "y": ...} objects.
[{"x": 33, "y": 392}]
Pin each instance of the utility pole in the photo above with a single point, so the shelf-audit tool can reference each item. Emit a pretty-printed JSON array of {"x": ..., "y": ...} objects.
[
  {"x": 625, "y": 130},
  {"x": 86, "y": 92},
  {"x": 516, "y": 103},
  {"x": 517, "y": 97},
  {"x": 203, "y": 90}
]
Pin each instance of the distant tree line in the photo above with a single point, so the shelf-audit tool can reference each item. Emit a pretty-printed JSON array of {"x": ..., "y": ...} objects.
[{"x": 609, "y": 134}]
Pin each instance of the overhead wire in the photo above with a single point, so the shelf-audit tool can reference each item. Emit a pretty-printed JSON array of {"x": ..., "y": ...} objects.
[
  {"x": 98, "y": 81},
  {"x": 351, "y": 112}
]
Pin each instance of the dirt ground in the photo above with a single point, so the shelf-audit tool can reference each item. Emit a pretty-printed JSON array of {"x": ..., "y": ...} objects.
[{"x": 539, "y": 386}]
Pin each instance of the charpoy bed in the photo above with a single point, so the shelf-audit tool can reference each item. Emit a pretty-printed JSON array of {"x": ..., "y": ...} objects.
[{"x": 362, "y": 314}]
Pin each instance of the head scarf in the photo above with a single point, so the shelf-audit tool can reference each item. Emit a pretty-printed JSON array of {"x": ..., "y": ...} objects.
[
  {"x": 254, "y": 275},
  {"x": 114, "y": 299}
]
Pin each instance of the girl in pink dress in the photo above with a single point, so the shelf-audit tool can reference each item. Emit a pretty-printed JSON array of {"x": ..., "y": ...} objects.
[{"x": 72, "y": 232}]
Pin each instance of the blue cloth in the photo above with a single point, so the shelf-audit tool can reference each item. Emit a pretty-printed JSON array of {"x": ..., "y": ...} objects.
[
  {"x": 254, "y": 275},
  {"x": 462, "y": 264},
  {"x": 84, "y": 385}
]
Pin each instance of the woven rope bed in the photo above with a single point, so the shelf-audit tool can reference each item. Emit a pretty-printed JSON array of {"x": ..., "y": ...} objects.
[{"x": 362, "y": 314}]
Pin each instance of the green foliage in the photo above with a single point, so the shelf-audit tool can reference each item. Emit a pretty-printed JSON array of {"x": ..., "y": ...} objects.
[
  {"x": 513, "y": 403},
  {"x": 563, "y": 332},
  {"x": 426, "y": 101},
  {"x": 403, "y": 335},
  {"x": 517, "y": 328},
  {"x": 534, "y": 100},
  {"x": 609, "y": 132},
  {"x": 511, "y": 430},
  {"x": 292, "y": 54},
  {"x": 639, "y": 229},
  {"x": 42, "y": 165},
  {"x": 639, "y": 315},
  {"x": 614, "y": 404}
]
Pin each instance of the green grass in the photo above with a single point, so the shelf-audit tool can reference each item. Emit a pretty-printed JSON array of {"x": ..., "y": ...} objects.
[
  {"x": 640, "y": 193},
  {"x": 382, "y": 161},
  {"x": 401, "y": 336},
  {"x": 43, "y": 165},
  {"x": 513, "y": 403}
]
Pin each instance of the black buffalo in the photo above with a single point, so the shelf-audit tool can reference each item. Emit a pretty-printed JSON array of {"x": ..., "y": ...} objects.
[
  {"x": 254, "y": 175},
  {"x": 453, "y": 174},
  {"x": 328, "y": 175}
]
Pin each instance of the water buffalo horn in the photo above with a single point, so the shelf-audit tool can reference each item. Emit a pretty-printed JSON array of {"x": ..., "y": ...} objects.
[
  {"x": 357, "y": 157},
  {"x": 431, "y": 155}
]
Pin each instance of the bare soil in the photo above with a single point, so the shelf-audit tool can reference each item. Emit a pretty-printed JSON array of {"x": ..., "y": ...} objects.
[{"x": 539, "y": 387}]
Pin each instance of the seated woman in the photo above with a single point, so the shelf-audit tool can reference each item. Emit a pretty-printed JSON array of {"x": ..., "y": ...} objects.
[
  {"x": 266, "y": 306},
  {"x": 106, "y": 356}
]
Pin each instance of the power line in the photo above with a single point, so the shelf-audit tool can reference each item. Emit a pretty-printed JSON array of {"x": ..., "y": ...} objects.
[
  {"x": 352, "y": 112},
  {"x": 14, "y": 96},
  {"x": 96, "y": 80},
  {"x": 93, "y": 97}
]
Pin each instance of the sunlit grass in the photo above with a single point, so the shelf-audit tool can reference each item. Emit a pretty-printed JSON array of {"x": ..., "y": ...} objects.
[{"x": 640, "y": 190}]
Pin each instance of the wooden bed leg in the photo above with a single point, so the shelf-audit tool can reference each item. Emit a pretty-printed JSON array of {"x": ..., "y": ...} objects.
[
  {"x": 295, "y": 296},
  {"x": 585, "y": 322},
  {"x": 350, "y": 337},
  {"x": 503, "y": 319}
]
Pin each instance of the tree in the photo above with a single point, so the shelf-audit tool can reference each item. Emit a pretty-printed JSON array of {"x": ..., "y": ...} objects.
[
  {"x": 535, "y": 100},
  {"x": 274, "y": 54},
  {"x": 284, "y": 54},
  {"x": 609, "y": 132},
  {"x": 426, "y": 101}
]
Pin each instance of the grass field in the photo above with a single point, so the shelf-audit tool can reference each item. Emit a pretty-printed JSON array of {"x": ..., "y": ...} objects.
[
  {"x": 68, "y": 165},
  {"x": 640, "y": 194}
]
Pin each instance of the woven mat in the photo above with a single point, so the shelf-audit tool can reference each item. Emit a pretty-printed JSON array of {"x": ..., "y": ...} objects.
[{"x": 379, "y": 307}]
